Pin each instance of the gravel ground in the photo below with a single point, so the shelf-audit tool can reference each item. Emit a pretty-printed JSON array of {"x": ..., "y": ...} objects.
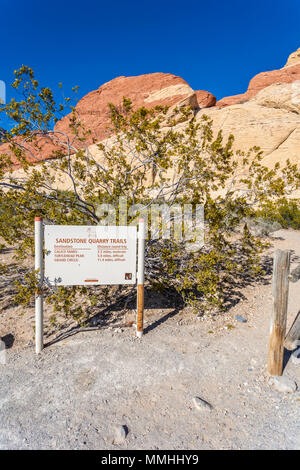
[{"x": 75, "y": 394}]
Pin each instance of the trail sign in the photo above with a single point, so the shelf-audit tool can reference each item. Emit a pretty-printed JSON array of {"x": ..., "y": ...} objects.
[{"x": 90, "y": 255}]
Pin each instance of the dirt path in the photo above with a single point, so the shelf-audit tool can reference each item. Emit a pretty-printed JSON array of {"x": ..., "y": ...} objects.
[{"x": 79, "y": 389}]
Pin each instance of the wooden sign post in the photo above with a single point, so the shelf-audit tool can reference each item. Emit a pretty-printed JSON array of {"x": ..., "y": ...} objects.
[
  {"x": 280, "y": 289},
  {"x": 140, "y": 279},
  {"x": 39, "y": 266}
]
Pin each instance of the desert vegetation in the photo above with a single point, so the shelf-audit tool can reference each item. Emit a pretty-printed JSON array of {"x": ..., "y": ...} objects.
[{"x": 158, "y": 156}]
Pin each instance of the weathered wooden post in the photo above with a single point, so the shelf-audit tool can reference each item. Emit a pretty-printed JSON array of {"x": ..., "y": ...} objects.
[
  {"x": 140, "y": 279},
  {"x": 280, "y": 289},
  {"x": 292, "y": 340}
]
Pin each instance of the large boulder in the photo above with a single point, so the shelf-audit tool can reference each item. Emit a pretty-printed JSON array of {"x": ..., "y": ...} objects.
[
  {"x": 205, "y": 99},
  {"x": 145, "y": 90}
]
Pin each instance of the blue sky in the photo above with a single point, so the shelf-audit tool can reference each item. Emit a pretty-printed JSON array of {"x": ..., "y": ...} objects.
[{"x": 214, "y": 45}]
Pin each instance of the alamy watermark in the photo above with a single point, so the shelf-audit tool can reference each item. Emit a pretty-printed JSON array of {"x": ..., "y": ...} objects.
[
  {"x": 2, "y": 92},
  {"x": 179, "y": 222}
]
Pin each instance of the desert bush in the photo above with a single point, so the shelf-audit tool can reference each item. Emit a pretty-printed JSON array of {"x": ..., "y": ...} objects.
[
  {"x": 285, "y": 212},
  {"x": 159, "y": 155}
]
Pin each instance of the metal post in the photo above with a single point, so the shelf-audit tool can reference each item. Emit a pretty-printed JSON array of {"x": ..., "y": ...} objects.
[
  {"x": 39, "y": 235},
  {"x": 140, "y": 279}
]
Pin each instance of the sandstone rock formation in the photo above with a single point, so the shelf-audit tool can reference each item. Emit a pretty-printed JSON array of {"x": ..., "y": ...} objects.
[
  {"x": 267, "y": 115},
  {"x": 288, "y": 74},
  {"x": 285, "y": 96},
  {"x": 276, "y": 131},
  {"x": 145, "y": 90},
  {"x": 43, "y": 148},
  {"x": 205, "y": 99},
  {"x": 294, "y": 58}
]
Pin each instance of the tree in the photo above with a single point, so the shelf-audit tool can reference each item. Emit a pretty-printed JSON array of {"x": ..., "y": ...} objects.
[{"x": 162, "y": 156}]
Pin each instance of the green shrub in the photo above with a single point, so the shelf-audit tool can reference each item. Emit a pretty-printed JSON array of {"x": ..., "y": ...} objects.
[
  {"x": 285, "y": 212},
  {"x": 153, "y": 156}
]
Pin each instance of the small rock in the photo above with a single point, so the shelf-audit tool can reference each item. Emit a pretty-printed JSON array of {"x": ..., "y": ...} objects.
[
  {"x": 120, "y": 434},
  {"x": 261, "y": 227},
  {"x": 283, "y": 384},
  {"x": 201, "y": 404},
  {"x": 296, "y": 356},
  {"x": 241, "y": 319}
]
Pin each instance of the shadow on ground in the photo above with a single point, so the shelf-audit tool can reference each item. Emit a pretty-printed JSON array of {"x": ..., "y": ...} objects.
[
  {"x": 8, "y": 340},
  {"x": 123, "y": 298}
]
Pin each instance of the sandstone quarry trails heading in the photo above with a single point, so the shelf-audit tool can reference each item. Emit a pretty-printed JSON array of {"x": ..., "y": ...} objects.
[{"x": 91, "y": 240}]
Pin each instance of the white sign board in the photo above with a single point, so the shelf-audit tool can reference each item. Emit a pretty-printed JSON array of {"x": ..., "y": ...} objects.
[{"x": 90, "y": 255}]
